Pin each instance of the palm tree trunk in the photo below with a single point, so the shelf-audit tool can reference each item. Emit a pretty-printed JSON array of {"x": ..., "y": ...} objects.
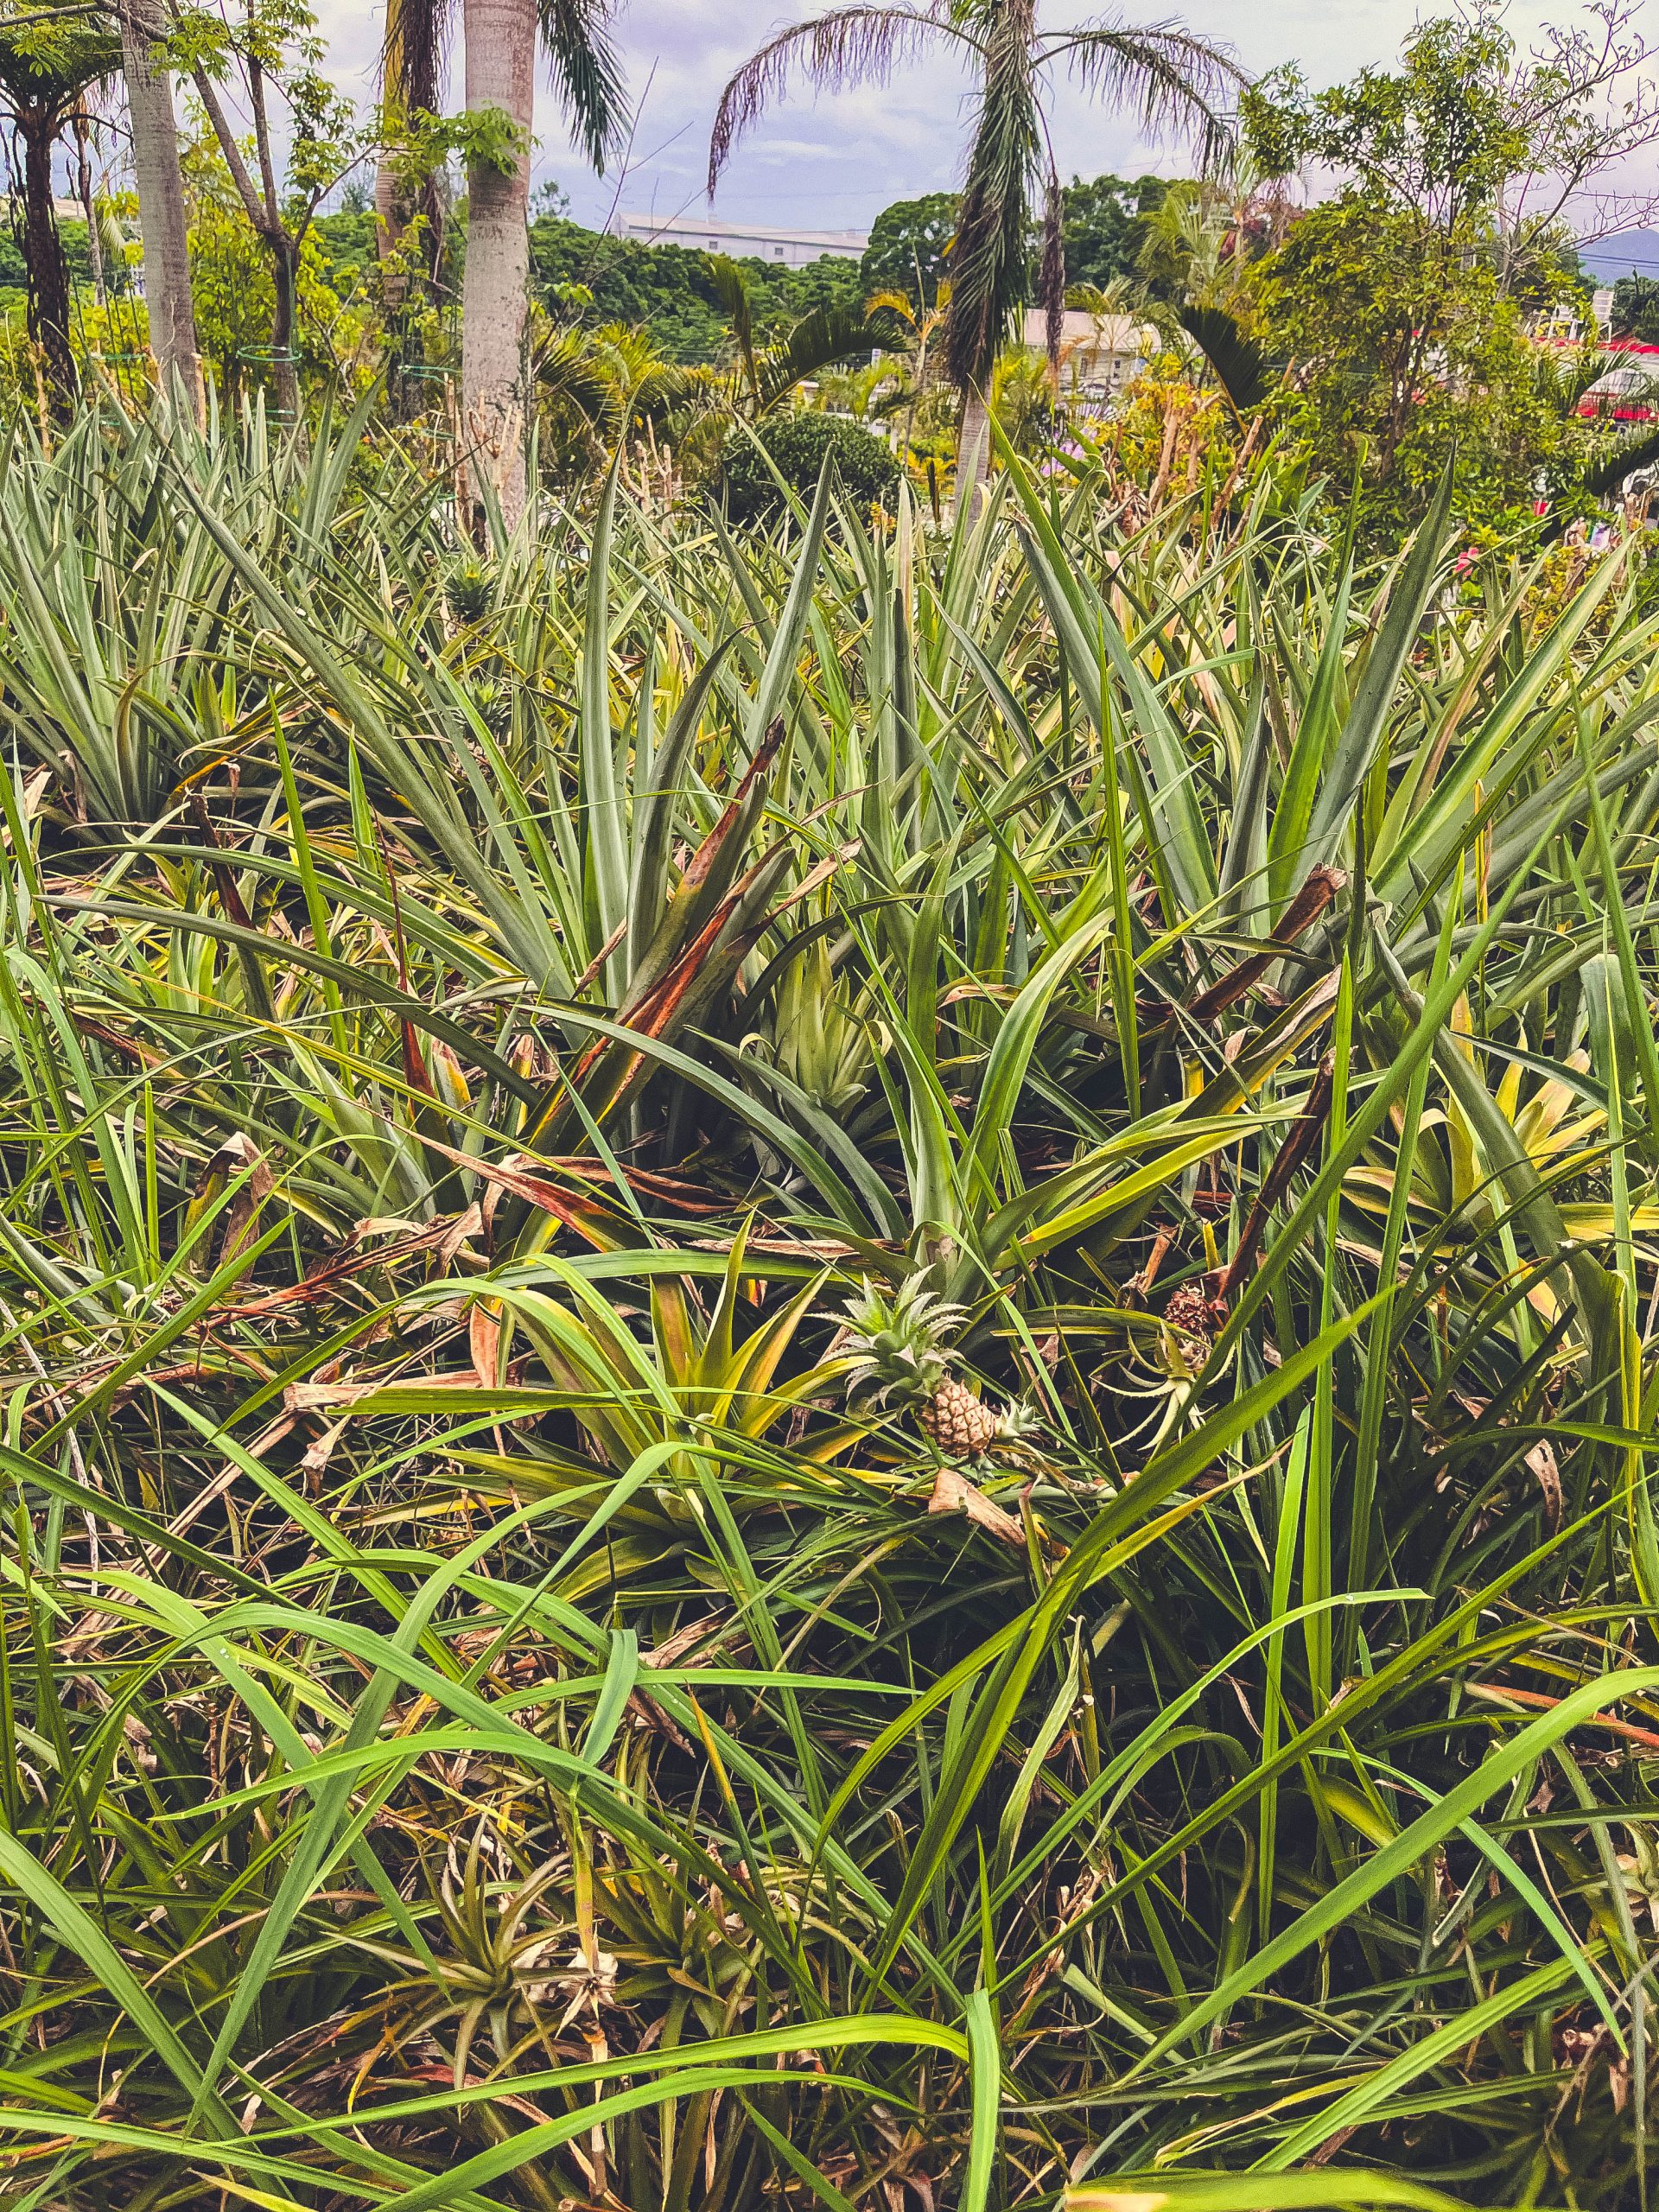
[
  {"x": 411, "y": 63},
  {"x": 973, "y": 450},
  {"x": 501, "y": 76},
  {"x": 160, "y": 206}
]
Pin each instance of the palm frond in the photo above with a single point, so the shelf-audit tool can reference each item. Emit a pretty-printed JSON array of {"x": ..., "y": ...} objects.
[
  {"x": 570, "y": 371},
  {"x": 817, "y": 341},
  {"x": 988, "y": 259},
  {"x": 413, "y": 45},
  {"x": 1241, "y": 368},
  {"x": 1169, "y": 79},
  {"x": 848, "y": 45},
  {"x": 587, "y": 75},
  {"x": 671, "y": 386},
  {"x": 1564, "y": 378},
  {"x": 897, "y": 303},
  {"x": 730, "y": 287},
  {"x": 1639, "y": 449}
]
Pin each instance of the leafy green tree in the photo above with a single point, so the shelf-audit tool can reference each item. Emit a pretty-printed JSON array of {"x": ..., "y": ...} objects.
[
  {"x": 1468, "y": 132},
  {"x": 909, "y": 245},
  {"x": 668, "y": 292},
  {"x": 831, "y": 281},
  {"x": 1103, "y": 225},
  {"x": 346, "y": 242},
  {"x": 274, "y": 48},
  {"x": 233, "y": 295},
  {"x": 1401, "y": 299},
  {"x": 661, "y": 289},
  {"x": 233, "y": 278},
  {"x": 78, "y": 256},
  {"x": 1167, "y": 74},
  {"x": 1403, "y": 354}
]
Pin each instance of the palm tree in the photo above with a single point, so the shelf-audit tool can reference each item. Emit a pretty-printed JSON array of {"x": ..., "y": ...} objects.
[
  {"x": 161, "y": 218},
  {"x": 1169, "y": 75},
  {"x": 764, "y": 376},
  {"x": 501, "y": 39}
]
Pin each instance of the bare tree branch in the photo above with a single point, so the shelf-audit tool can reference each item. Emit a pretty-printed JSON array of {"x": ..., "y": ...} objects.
[
  {"x": 247, "y": 192},
  {"x": 262, "y": 138}
]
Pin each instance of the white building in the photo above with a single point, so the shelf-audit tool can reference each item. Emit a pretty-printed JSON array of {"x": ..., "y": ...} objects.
[
  {"x": 1099, "y": 353},
  {"x": 707, "y": 233}
]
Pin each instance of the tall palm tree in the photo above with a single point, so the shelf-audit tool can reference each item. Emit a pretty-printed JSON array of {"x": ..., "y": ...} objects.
[
  {"x": 1168, "y": 75},
  {"x": 161, "y": 218},
  {"x": 501, "y": 39}
]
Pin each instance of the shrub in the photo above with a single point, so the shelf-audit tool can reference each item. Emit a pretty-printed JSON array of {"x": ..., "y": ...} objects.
[{"x": 797, "y": 445}]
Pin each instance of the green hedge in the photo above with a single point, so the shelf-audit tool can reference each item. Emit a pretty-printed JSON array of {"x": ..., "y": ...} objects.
[{"x": 796, "y": 446}]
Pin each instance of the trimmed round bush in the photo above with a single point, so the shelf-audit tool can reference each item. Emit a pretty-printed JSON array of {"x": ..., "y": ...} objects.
[{"x": 865, "y": 469}]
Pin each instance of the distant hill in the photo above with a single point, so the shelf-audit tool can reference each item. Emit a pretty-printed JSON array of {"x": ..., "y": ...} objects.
[{"x": 1628, "y": 253}]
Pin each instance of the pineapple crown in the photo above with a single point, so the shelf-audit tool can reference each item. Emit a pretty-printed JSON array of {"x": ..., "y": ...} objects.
[{"x": 899, "y": 1340}]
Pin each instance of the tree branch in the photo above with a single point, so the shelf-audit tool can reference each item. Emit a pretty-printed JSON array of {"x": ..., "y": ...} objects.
[
  {"x": 262, "y": 138},
  {"x": 208, "y": 93}
]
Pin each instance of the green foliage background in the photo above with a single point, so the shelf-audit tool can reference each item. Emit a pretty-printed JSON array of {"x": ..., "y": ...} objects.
[{"x": 666, "y": 289}]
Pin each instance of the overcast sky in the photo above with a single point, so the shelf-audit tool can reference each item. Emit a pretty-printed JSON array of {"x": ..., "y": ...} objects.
[{"x": 833, "y": 164}]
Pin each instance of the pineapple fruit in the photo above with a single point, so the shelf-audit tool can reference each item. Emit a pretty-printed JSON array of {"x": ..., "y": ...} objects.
[
  {"x": 900, "y": 1343},
  {"x": 959, "y": 1423}
]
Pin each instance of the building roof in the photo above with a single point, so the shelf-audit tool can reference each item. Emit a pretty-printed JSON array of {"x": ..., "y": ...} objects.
[{"x": 673, "y": 228}]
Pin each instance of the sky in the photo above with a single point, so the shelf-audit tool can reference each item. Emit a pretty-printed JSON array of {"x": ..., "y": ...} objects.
[{"x": 835, "y": 163}]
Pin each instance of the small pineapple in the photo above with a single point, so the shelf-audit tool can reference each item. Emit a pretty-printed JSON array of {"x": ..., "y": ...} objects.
[
  {"x": 900, "y": 1343},
  {"x": 961, "y": 1425},
  {"x": 469, "y": 588}
]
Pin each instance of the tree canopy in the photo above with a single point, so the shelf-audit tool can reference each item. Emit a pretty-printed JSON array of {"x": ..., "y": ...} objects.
[
  {"x": 1403, "y": 298},
  {"x": 1105, "y": 222},
  {"x": 910, "y": 246}
]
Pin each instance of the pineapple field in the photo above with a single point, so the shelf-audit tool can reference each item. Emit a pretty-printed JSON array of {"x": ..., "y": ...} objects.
[{"x": 831, "y": 1354}]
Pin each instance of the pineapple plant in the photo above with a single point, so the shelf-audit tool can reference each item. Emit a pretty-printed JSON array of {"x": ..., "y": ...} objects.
[{"x": 901, "y": 1355}]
